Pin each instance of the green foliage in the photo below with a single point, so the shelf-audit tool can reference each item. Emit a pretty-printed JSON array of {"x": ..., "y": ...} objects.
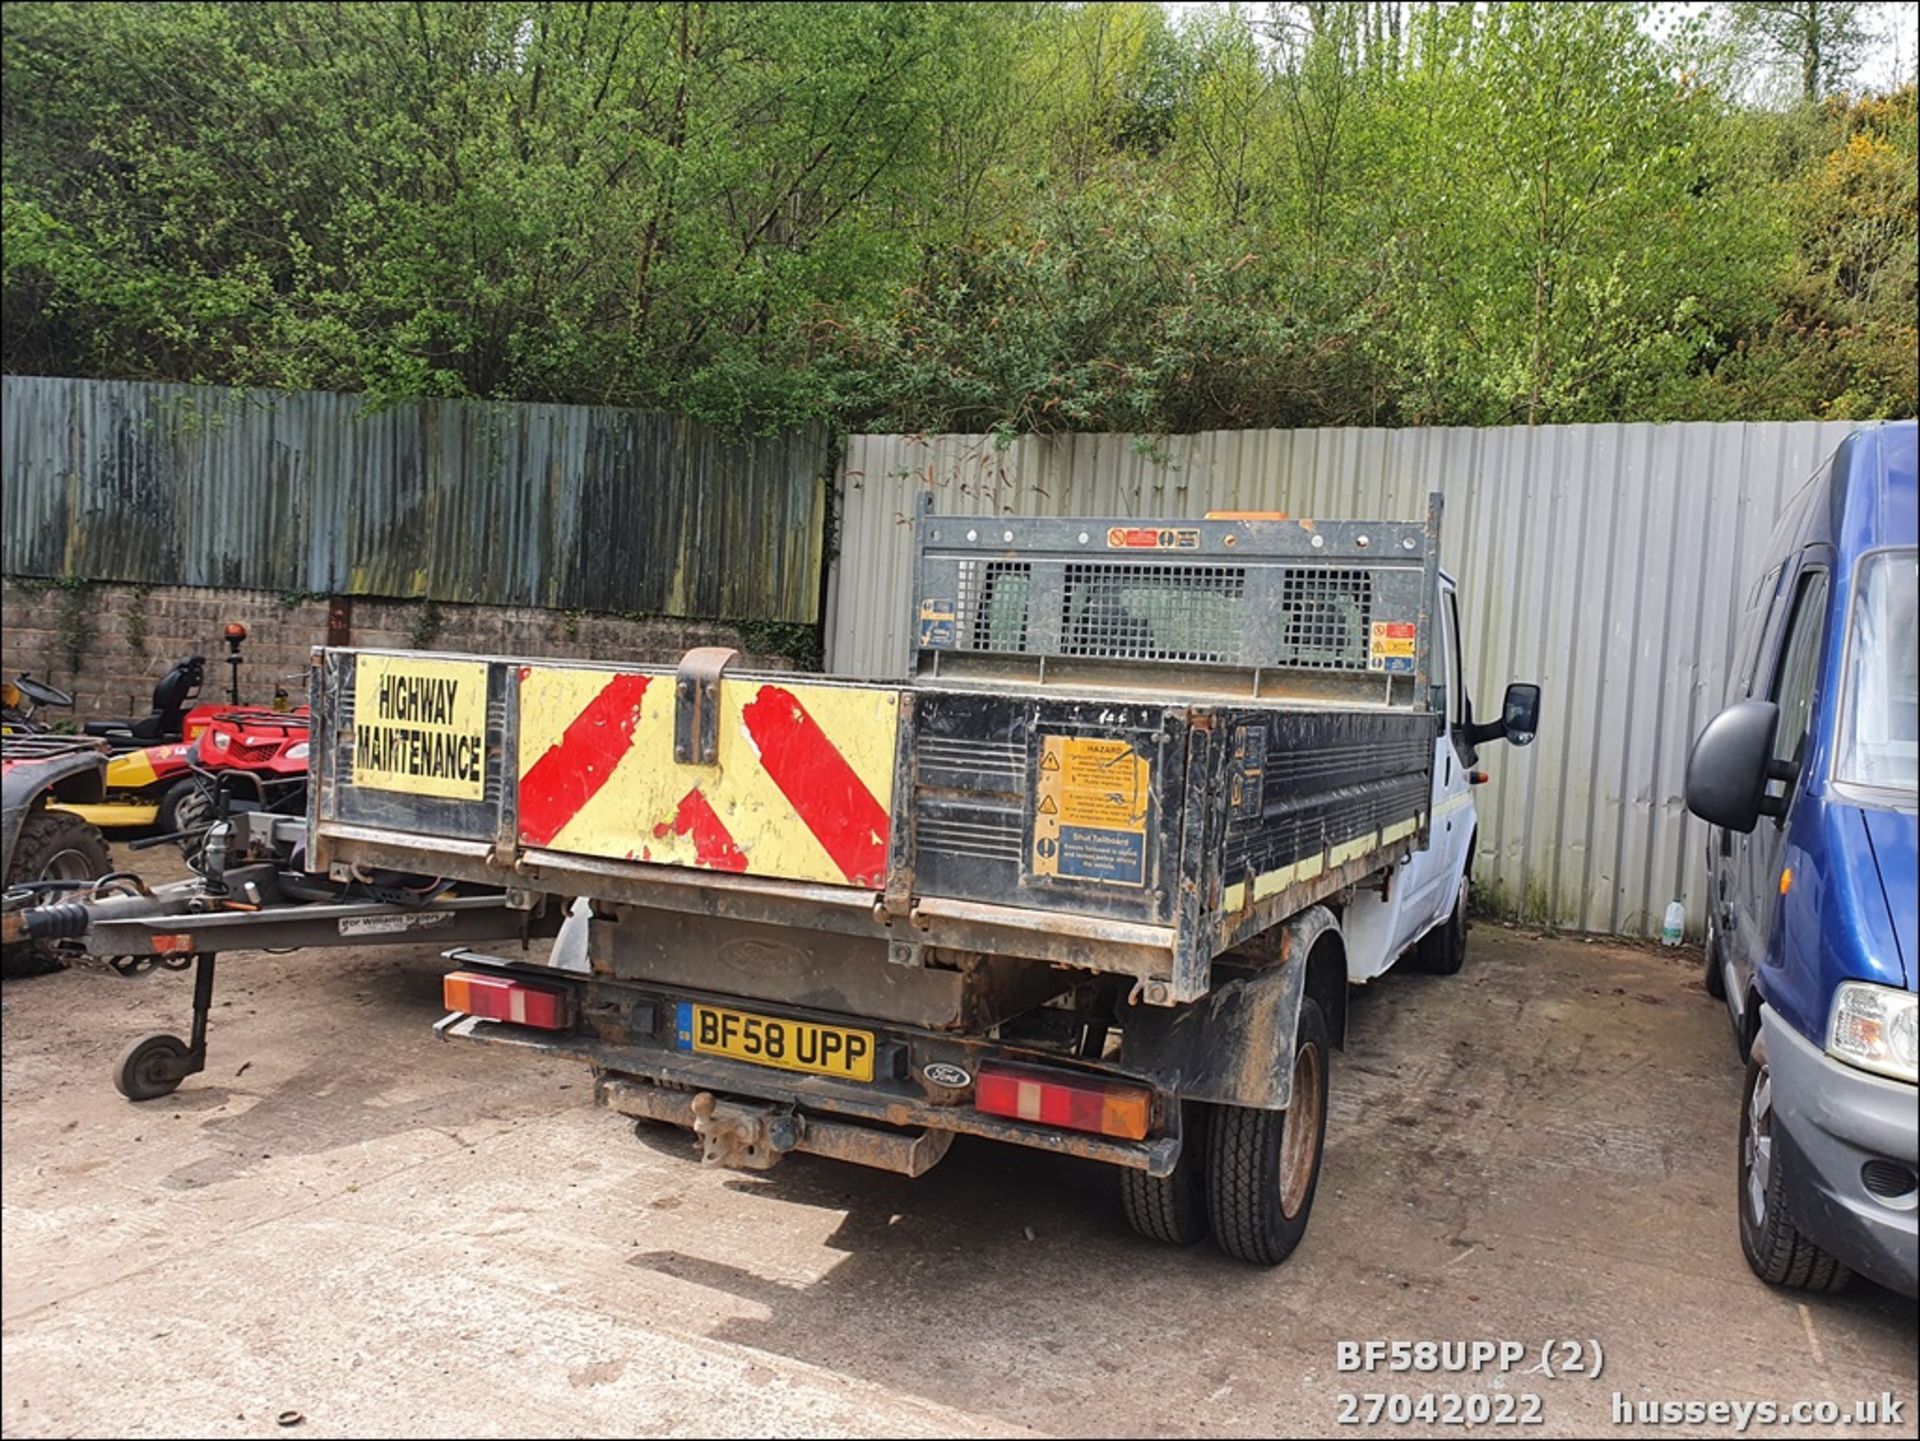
[
  {"x": 998, "y": 217},
  {"x": 798, "y": 641},
  {"x": 76, "y": 617},
  {"x": 426, "y": 627},
  {"x": 137, "y": 618}
]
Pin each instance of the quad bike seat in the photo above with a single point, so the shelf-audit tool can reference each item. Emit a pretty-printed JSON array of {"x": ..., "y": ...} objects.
[{"x": 172, "y": 699}]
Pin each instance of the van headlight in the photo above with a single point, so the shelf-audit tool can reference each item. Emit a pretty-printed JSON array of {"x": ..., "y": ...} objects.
[{"x": 1874, "y": 1028}]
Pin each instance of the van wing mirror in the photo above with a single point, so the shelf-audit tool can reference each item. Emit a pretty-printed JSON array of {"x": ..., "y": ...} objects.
[
  {"x": 1520, "y": 714},
  {"x": 1731, "y": 763},
  {"x": 1519, "y": 718}
]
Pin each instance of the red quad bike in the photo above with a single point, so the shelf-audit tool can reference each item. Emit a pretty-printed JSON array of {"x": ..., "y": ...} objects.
[
  {"x": 164, "y": 779},
  {"x": 47, "y": 854},
  {"x": 259, "y": 757}
]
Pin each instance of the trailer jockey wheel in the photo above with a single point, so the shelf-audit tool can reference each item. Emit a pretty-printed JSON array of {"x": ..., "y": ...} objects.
[
  {"x": 155, "y": 1065},
  {"x": 152, "y": 1066}
]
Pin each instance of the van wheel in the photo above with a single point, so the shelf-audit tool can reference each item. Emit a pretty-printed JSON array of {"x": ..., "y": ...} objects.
[
  {"x": 1774, "y": 1247},
  {"x": 1443, "y": 950},
  {"x": 1172, "y": 1208},
  {"x": 1264, "y": 1166},
  {"x": 51, "y": 846}
]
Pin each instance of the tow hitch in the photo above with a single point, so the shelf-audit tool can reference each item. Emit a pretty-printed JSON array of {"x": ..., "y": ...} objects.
[
  {"x": 742, "y": 1137},
  {"x": 754, "y": 1136}
]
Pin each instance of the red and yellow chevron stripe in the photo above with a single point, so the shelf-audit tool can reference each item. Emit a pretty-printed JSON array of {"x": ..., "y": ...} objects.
[{"x": 801, "y": 789}]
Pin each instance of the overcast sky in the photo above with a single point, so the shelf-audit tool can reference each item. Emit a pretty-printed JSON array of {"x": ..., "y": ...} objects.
[{"x": 1893, "y": 60}]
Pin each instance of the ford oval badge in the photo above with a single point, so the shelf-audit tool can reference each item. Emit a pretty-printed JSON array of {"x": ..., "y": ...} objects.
[{"x": 943, "y": 1074}]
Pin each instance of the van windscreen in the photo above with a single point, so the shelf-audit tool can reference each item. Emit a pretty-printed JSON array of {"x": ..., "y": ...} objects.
[{"x": 1879, "y": 741}]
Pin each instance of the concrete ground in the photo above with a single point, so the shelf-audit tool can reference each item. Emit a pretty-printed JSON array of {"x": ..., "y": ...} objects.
[{"x": 355, "y": 1227}]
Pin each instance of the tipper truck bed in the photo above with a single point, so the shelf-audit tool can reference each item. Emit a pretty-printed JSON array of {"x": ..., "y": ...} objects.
[{"x": 1094, "y": 879}]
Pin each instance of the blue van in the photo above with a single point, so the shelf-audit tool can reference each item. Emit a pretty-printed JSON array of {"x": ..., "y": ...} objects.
[{"x": 1808, "y": 781}]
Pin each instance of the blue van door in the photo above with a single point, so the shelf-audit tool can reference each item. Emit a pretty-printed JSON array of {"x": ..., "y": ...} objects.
[{"x": 1790, "y": 685}]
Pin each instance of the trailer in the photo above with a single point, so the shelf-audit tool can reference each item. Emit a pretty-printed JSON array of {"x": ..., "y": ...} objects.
[{"x": 1094, "y": 879}]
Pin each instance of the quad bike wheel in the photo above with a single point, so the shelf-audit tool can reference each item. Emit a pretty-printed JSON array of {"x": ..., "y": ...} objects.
[
  {"x": 52, "y": 846},
  {"x": 187, "y": 807}
]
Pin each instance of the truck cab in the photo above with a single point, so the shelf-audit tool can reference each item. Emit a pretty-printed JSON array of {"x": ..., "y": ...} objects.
[{"x": 1807, "y": 780}]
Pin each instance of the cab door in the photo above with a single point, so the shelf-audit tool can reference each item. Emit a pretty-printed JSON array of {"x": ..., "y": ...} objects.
[
  {"x": 1429, "y": 875},
  {"x": 1790, "y": 684}
]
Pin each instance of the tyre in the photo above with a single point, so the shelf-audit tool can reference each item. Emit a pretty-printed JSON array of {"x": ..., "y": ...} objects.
[
  {"x": 187, "y": 805},
  {"x": 1779, "y": 1254},
  {"x": 147, "y": 1068},
  {"x": 1172, "y": 1208},
  {"x": 1264, "y": 1166},
  {"x": 52, "y": 846},
  {"x": 176, "y": 799},
  {"x": 1715, "y": 977},
  {"x": 1443, "y": 950}
]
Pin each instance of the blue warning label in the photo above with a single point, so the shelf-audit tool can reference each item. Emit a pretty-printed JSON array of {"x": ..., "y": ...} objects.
[
  {"x": 937, "y": 624},
  {"x": 1088, "y": 854}
]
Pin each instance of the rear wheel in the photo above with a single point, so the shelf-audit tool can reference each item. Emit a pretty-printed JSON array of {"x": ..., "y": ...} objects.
[
  {"x": 1779, "y": 1254},
  {"x": 1264, "y": 1166},
  {"x": 52, "y": 846},
  {"x": 1172, "y": 1208}
]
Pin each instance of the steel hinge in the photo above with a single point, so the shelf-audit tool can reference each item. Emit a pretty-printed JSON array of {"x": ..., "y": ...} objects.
[{"x": 696, "y": 704}]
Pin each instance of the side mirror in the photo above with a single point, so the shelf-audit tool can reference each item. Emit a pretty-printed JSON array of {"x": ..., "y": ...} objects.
[
  {"x": 1519, "y": 718},
  {"x": 1731, "y": 763},
  {"x": 1520, "y": 714}
]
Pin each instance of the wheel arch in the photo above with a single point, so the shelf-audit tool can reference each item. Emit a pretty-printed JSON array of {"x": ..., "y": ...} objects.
[
  {"x": 1327, "y": 982},
  {"x": 1234, "y": 1046},
  {"x": 28, "y": 785},
  {"x": 1748, "y": 1034}
]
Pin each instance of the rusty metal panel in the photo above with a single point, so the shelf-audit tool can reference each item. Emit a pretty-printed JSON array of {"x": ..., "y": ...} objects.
[
  {"x": 562, "y": 506},
  {"x": 1605, "y": 561}
]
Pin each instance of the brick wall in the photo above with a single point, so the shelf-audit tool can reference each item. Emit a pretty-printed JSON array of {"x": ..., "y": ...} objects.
[{"x": 133, "y": 633}]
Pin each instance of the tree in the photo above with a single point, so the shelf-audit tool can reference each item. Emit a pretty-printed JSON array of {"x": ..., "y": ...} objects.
[
  {"x": 1824, "y": 39},
  {"x": 1001, "y": 215}
]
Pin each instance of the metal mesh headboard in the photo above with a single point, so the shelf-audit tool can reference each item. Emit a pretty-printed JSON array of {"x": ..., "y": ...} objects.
[{"x": 1338, "y": 598}]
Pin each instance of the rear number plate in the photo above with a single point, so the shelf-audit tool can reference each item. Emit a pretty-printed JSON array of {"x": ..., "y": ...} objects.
[{"x": 774, "y": 1041}]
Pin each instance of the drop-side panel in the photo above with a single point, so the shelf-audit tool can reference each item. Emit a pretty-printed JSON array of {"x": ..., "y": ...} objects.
[
  {"x": 1309, "y": 791},
  {"x": 1052, "y": 803},
  {"x": 580, "y": 759},
  {"x": 418, "y": 744},
  {"x": 800, "y": 787}
]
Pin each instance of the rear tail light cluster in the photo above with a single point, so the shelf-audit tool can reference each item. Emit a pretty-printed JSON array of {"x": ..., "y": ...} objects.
[
  {"x": 496, "y": 998},
  {"x": 1061, "y": 1098}
]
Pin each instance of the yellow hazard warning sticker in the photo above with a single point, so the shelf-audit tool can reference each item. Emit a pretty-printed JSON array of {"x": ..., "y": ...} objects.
[
  {"x": 1390, "y": 646},
  {"x": 420, "y": 726},
  {"x": 1090, "y": 811}
]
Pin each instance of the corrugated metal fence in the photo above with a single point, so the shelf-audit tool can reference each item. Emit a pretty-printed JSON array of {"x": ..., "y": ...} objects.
[
  {"x": 1605, "y": 561},
  {"x": 563, "y": 506}
]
